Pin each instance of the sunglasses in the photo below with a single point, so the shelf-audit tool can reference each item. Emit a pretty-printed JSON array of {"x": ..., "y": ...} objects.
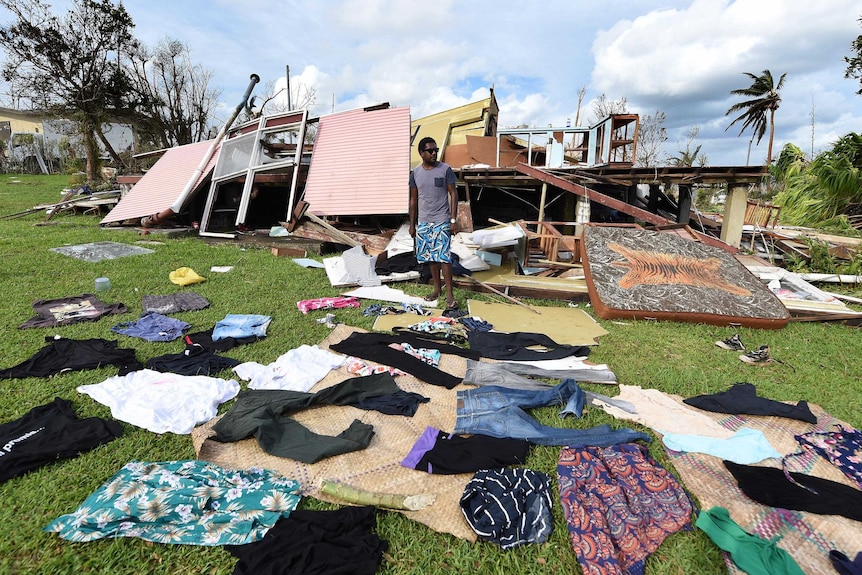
[{"x": 431, "y": 150}]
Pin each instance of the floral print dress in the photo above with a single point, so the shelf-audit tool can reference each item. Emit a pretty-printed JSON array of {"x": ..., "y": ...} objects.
[{"x": 188, "y": 502}]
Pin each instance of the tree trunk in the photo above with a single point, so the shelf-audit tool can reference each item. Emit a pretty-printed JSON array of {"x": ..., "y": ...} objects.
[
  {"x": 92, "y": 152},
  {"x": 110, "y": 148},
  {"x": 771, "y": 137}
]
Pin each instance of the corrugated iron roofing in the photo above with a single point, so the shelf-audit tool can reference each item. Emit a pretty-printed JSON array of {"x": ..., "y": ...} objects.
[
  {"x": 163, "y": 183},
  {"x": 360, "y": 164}
]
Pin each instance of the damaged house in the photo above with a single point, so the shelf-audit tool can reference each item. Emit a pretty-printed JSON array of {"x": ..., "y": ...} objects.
[{"x": 341, "y": 178}]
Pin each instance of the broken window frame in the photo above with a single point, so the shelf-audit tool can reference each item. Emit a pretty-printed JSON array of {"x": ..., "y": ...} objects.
[{"x": 256, "y": 131}]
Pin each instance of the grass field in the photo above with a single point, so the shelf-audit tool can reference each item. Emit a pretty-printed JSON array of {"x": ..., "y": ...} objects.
[{"x": 821, "y": 365}]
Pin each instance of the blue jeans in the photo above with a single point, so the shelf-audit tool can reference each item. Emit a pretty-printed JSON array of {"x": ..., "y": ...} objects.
[
  {"x": 499, "y": 412},
  {"x": 241, "y": 325}
]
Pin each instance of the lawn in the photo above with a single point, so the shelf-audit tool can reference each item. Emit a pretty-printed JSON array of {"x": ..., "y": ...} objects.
[{"x": 820, "y": 364}]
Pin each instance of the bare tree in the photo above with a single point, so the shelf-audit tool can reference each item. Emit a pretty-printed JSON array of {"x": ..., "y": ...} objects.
[
  {"x": 72, "y": 67},
  {"x": 302, "y": 97},
  {"x": 582, "y": 91},
  {"x": 179, "y": 98},
  {"x": 603, "y": 107},
  {"x": 651, "y": 138}
]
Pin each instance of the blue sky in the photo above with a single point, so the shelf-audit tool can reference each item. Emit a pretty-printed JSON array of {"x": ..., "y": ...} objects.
[{"x": 680, "y": 57}]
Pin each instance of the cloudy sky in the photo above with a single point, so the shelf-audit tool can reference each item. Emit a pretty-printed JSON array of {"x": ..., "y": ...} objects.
[{"x": 677, "y": 56}]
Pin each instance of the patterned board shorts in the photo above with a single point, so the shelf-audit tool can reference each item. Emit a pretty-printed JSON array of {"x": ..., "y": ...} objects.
[{"x": 433, "y": 243}]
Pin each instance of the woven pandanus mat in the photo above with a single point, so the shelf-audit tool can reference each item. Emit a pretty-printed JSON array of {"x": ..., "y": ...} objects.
[{"x": 376, "y": 468}]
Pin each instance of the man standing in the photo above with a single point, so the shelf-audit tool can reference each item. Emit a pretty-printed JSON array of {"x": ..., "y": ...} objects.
[{"x": 433, "y": 212}]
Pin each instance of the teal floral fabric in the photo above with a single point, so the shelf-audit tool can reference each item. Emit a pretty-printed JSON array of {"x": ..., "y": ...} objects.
[{"x": 188, "y": 502}]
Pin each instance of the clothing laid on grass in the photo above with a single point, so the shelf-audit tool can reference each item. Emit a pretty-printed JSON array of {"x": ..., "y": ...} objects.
[
  {"x": 752, "y": 554},
  {"x": 358, "y": 366},
  {"x": 206, "y": 341},
  {"x": 401, "y": 402},
  {"x": 337, "y": 302},
  {"x": 745, "y": 446},
  {"x": 47, "y": 433},
  {"x": 844, "y": 565},
  {"x": 296, "y": 370},
  {"x": 265, "y": 415},
  {"x": 195, "y": 360},
  {"x": 769, "y": 486},
  {"x": 237, "y": 325},
  {"x": 162, "y": 402},
  {"x": 445, "y": 453},
  {"x": 620, "y": 505},
  {"x": 68, "y": 310},
  {"x": 338, "y": 542},
  {"x": 505, "y": 374},
  {"x": 499, "y": 412},
  {"x": 185, "y": 502},
  {"x": 63, "y": 354},
  {"x": 657, "y": 410},
  {"x": 580, "y": 371},
  {"x": 152, "y": 326},
  {"x": 509, "y": 507},
  {"x": 516, "y": 346},
  {"x": 437, "y": 329},
  {"x": 375, "y": 347},
  {"x": 841, "y": 447},
  {"x": 742, "y": 398},
  {"x": 174, "y": 303}
]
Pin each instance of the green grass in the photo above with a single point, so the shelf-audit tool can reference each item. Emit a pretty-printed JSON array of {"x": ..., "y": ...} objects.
[{"x": 821, "y": 366}]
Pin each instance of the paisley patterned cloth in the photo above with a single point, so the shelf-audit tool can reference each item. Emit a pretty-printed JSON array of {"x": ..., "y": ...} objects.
[
  {"x": 619, "y": 504},
  {"x": 190, "y": 502}
]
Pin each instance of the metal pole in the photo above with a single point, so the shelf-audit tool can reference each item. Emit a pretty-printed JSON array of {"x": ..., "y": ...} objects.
[
  {"x": 287, "y": 83},
  {"x": 178, "y": 203}
]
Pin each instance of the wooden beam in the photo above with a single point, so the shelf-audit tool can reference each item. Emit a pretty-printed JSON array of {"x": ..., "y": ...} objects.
[
  {"x": 592, "y": 195},
  {"x": 336, "y": 233},
  {"x": 614, "y": 203}
]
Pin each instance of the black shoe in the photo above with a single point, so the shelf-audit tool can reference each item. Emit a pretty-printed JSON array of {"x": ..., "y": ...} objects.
[
  {"x": 760, "y": 356},
  {"x": 733, "y": 343}
]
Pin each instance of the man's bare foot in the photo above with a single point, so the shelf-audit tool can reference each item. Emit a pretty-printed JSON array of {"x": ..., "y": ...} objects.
[{"x": 432, "y": 297}]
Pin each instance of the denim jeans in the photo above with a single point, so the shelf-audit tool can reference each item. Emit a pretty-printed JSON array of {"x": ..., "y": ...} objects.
[
  {"x": 152, "y": 326},
  {"x": 513, "y": 375},
  {"x": 241, "y": 325},
  {"x": 499, "y": 412}
]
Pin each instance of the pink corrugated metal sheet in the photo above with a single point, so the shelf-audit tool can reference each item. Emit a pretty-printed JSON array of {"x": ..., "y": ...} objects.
[
  {"x": 163, "y": 183},
  {"x": 360, "y": 164}
]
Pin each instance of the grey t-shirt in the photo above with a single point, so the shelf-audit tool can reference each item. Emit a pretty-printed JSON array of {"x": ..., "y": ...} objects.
[{"x": 433, "y": 195}]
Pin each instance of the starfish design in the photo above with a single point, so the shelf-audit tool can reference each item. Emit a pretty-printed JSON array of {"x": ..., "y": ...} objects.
[{"x": 656, "y": 268}]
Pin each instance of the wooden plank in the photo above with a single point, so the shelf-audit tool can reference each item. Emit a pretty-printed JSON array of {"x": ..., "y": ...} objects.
[
  {"x": 613, "y": 203},
  {"x": 336, "y": 233}
]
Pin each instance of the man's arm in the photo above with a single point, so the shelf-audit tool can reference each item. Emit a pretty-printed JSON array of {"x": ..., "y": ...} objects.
[
  {"x": 453, "y": 201},
  {"x": 413, "y": 210}
]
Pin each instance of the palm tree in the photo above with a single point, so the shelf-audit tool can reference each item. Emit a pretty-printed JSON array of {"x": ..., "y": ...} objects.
[{"x": 759, "y": 110}]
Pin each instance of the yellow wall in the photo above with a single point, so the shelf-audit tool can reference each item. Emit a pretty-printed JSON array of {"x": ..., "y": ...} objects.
[{"x": 21, "y": 122}]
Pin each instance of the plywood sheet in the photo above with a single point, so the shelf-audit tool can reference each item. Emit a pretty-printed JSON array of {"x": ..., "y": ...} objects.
[{"x": 566, "y": 325}]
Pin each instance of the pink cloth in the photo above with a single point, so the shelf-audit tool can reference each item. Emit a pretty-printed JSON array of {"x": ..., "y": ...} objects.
[{"x": 308, "y": 305}]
